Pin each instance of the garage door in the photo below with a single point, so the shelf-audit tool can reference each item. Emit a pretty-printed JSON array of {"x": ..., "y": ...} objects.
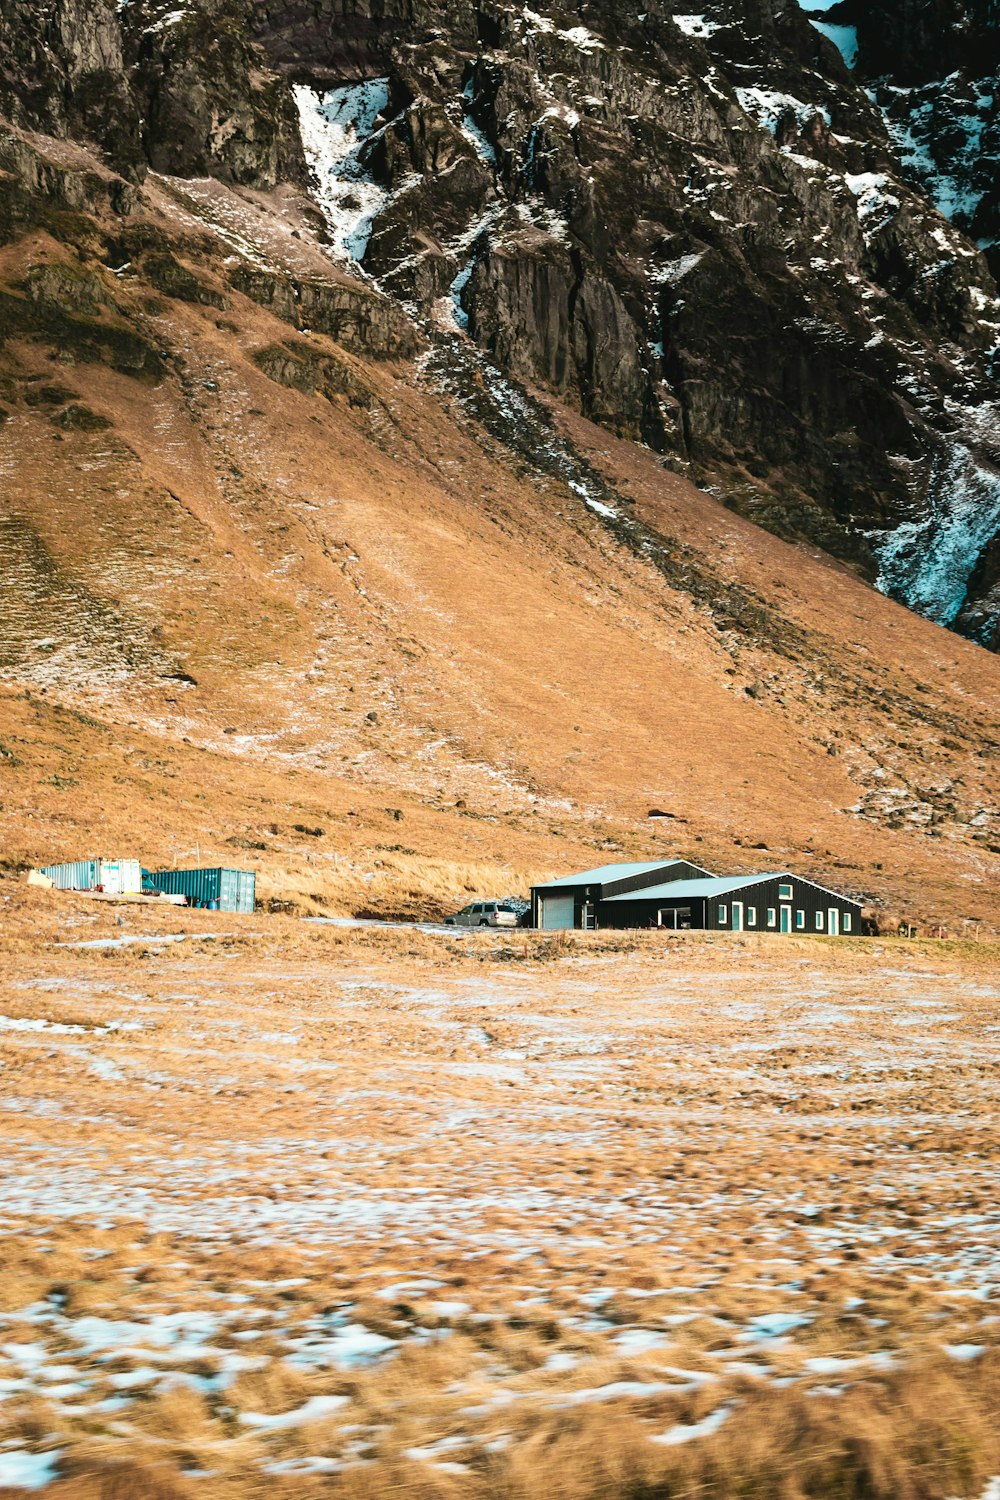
[{"x": 556, "y": 912}]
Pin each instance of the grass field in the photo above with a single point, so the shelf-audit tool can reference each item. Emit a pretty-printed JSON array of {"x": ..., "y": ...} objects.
[{"x": 317, "y": 1211}]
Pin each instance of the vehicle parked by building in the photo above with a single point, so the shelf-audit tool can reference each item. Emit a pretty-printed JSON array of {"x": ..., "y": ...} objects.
[{"x": 486, "y": 914}]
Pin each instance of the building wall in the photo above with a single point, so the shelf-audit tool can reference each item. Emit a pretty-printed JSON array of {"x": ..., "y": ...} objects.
[
  {"x": 808, "y": 899},
  {"x": 682, "y": 870}
]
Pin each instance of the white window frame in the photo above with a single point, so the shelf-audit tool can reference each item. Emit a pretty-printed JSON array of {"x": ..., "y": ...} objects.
[
  {"x": 722, "y": 913},
  {"x": 819, "y": 921},
  {"x": 845, "y": 921},
  {"x": 772, "y": 916},
  {"x": 785, "y": 893},
  {"x": 751, "y": 916},
  {"x": 800, "y": 920}
]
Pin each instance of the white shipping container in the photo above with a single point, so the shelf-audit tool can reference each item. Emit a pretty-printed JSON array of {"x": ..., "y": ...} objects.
[{"x": 120, "y": 877}]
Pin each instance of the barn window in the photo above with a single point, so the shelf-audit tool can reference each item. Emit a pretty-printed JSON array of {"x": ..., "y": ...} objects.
[
  {"x": 800, "y": 919},
  {"x": 819, "y": 921},
  {"x": 772, "y": 917},
  {"x": 751, "y": 916},
  {"x": 784, "y": 893},
  {"x": 722, "y": 911},
  {"x": 847, "y": 921}
]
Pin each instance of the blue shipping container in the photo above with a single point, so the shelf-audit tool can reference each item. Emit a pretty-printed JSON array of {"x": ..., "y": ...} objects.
[{"x": 216, "y": 889}]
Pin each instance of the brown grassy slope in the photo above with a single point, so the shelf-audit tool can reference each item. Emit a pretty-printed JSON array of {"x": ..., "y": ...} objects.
[{"x": 382, "y": 609}]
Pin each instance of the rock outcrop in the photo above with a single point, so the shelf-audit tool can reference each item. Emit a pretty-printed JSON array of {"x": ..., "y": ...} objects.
[
  {"x": 208, "y": 106},
  {"x": 712, "y": 233},
  {"x": 62, "y": 71}
]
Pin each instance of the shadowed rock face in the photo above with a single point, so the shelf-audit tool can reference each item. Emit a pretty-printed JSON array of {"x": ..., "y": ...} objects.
[
  {"x": 699, "y": 229},
  {"x": 62, "y": 72},
  {"x": 933, "y": 70}
]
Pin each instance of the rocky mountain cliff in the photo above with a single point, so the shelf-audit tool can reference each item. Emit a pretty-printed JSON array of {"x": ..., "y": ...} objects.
[{"x": 756, "y": 240}]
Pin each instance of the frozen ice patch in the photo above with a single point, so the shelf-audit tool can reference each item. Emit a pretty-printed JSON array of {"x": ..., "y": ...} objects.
[
  {"x": 638, "y": 1340},
  {"x": 844, "y": 38},
  {"x": 22, "y": 1470},
  {"x": 473, "y": 132},
  {"x": 335, "y": 128},
  {"x": 927, "y": 562},
  {"x": 774, "y": 1325}
]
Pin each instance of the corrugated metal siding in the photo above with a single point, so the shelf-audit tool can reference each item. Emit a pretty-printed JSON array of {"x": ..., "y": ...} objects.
[
  {"x": 556, "y": 912},
  {"x": 76, "y": 875},
  {"x": 247, "y": 890},
  {"x": 634, "y": 877},
  {"x": 675, "y": 869},
  {"x": 120, "y": 877},
  {"x": 219, "y": 888},
  {"x": 640, "y": 910}
]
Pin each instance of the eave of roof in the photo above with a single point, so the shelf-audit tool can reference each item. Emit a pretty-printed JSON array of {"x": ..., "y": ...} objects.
[
  {"x": 716, "y": 885},
  {"x": 722, "y": 885},
  {"x": 605, "y": 874}
]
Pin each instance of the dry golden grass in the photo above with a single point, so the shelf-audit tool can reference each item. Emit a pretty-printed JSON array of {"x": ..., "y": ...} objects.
[{"x": 361, "y": 1212}]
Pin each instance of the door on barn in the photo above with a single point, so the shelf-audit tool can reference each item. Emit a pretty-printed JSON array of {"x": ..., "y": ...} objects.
[
  {"x": 737, "y": 916},
  {"x": 557, "y": 913},
  {"x": 786, "y": 919},
  {"x": 833, "y": 921}
]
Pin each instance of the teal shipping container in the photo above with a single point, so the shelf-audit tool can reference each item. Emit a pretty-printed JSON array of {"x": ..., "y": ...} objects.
[
  {"x": 215, "y": 889},
  {"x": 116, "y": 877},
  {"x": 75, "y": 875}
]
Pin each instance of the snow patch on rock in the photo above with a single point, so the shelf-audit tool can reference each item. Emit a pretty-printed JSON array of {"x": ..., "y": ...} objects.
[
  {"x": 698, "y": 26},
  {"x": 767, "y": 106},
  {"x": 844, "y": 38},
  {"x": 927, "y": 562},
  {"x": 335, "y": 127}
]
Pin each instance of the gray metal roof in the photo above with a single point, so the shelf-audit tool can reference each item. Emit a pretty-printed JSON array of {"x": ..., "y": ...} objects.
[
  {"x": 682, "y": 890},
  {"x": 605, "y": 874}
]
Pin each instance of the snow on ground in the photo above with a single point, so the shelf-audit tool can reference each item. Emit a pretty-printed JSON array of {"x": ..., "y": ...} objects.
[
  {"x": 875, "y": 202},
  {"x": 939, "y": 131},
  {"x": 698, "y": 26},
  {"x": 609, "y": 1183},
  {"x": 844, "y": 38},
  {"x": 24, "y": 1470},
  {"x": 577, "y": 36},
  {"x": 472, "y": 132}
]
